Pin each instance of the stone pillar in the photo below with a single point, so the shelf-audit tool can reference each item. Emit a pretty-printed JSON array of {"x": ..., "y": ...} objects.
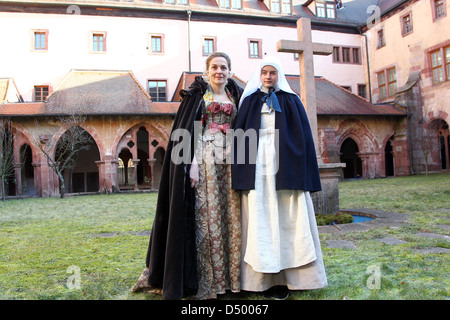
[
  {"x": 18, "y": 177},
  {"x": 46, "y": 178},
  {"x": 37, "y": 178},
  {"x": 135, "y": 163},
  {"x": 102, "y": 187},
  {"x": 106, "y": 174},
  {"x": 114, "y": 178},
  {"x": 364, "y": 162},
  {"x": 151, "y": 162},
  {"x": 327, "y": 200}
]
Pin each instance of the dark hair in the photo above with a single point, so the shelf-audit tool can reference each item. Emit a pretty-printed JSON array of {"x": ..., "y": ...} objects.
[{"x": 215, "y": 55}]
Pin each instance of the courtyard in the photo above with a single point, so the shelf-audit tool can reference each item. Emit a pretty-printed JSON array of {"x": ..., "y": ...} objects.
[{"x": 93, "y": 247}]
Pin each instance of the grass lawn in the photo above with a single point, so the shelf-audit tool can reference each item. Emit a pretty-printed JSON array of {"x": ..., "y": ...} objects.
[{"x": 47, "y": 243}]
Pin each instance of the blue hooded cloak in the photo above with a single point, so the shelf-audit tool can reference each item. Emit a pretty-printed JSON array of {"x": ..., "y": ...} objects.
[{"x": 297, "y": 167}]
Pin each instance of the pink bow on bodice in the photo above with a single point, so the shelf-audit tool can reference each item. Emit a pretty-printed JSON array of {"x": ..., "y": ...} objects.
[
  {"x": 225, "y": 107},
  {"x": 213, "y": 127}
]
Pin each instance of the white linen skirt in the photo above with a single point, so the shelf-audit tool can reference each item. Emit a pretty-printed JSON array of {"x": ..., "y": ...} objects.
[{"x": 280, "y": 239}]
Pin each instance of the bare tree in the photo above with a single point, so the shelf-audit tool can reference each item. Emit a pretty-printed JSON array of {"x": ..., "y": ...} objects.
[
  {"x": 66, "y": 148},
  {"x": 6, "y": 154}
]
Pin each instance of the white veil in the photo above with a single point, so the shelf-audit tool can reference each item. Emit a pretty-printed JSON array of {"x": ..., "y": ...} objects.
[{"x": 255, "y": 80}]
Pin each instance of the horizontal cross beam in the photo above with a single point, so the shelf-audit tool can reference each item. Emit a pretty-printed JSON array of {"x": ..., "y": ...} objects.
[{"x": 321, "y": 49}]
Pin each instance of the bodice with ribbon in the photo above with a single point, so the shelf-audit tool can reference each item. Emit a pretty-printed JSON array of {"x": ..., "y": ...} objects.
[
  {"x": 219, "y": 115},
  {"x": 217, "y": 119}
]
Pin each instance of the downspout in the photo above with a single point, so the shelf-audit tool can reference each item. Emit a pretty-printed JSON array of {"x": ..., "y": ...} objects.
[
  {"x": 189, "y": 12},
  {"x": 367, "y": 64},
  {"x": 368, "y": 69}
]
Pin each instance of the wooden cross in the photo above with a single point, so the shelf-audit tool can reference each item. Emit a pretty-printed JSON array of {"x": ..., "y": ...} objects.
[{"x": 306, "y": 49}]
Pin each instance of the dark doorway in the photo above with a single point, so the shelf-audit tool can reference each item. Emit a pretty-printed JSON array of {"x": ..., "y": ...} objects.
[
  {"x": 143, "y": 169},
  {"x": 389, "y": 159},
  {"x": 27, "y": 170},
  {"x": 443, "y": 155},
  {"x": 349, "y": 156},
  {"x": 444, "y": 147}
]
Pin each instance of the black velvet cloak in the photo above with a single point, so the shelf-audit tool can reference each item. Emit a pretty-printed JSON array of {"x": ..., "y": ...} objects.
[
  {"x": 297, "y": 167},
  {"x": 171, "y": 255}
]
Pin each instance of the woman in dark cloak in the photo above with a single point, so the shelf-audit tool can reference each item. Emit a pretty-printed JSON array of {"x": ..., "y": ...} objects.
[{"x": 194, "y": 247}]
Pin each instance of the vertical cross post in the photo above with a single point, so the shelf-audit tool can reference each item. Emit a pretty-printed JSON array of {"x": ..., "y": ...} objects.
[{"x": 306, "y": 50}]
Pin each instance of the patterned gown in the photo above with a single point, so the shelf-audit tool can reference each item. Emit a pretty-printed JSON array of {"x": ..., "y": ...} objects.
[{"x": 218, "y": 222}]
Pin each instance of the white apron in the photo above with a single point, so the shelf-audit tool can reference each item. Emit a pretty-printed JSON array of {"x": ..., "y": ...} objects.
[
  {"x": 280, "y": 239},
  {"x": 279, "y": 234}
]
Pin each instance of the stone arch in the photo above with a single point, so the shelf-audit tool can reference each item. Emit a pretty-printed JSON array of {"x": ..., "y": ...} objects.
[
  {"x": 98, "y": 140},
  {"x": 125, "y": 177},
  {"x": 368, "y": 149},
  {"x": 31, "y": 184},
  {"x": 437, "y": 140},
  {"x": 23, "y": 136},
  {"x": 156, "y": 130},
  {"x": 83, "y": 176},
  {"x": 143, "y": 139},
  {"x": 353, "y": 128},
  {"x": 89, "y": 129}
]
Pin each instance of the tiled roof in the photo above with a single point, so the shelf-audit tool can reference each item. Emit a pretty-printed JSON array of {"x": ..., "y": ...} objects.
[
  {"x": 114, "y": 93},
  {"x": 92, "y": 92},
  {"x": 39, "y": 109},
  {"x": 185, "y": 81},
  {"x": 352, "y": 13},
  {"x": 99, "y": 92},
  {"x": 388, "y": 5},
  {"x": 357, "y": 12},
  {"x": 332, "y": 99},
  {"x": 164, "y": 107},
  {"x": 22, "y": 109}
]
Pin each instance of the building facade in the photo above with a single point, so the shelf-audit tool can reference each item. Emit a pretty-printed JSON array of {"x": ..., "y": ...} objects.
[
  {"x": 121, "y": 64},
  {"x": 418, "y": 77}
]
